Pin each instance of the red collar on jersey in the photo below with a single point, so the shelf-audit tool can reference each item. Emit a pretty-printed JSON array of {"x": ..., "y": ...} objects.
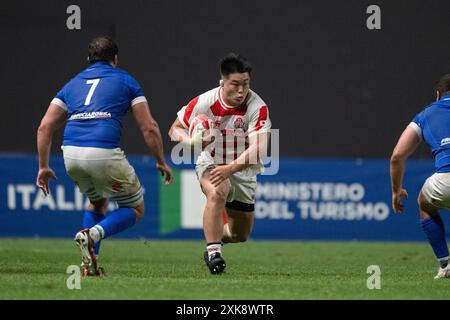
[
  {"x": 219, "y": 108},
  {"x": 227, "y": 107}
]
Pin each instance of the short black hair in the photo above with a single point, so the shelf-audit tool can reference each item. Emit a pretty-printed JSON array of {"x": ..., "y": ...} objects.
[
  {"x": 102, "y": 48},
  {"x": 234, "y": 63},
  {"x": 443, "y": 86}
]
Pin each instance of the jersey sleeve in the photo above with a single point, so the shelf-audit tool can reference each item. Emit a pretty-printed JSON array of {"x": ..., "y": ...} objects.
[
  {"x": 417, "y": 124},
  {"x": 260, "y": 121},
  {"x": 188, "y": 112},
  {"x": 60, "y": 98},
  {"x": 136, "y": 92}
]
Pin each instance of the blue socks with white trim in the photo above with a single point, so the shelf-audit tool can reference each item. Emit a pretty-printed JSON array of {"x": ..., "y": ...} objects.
[
  {"x": 90, "y": 219},
  {"x": 435, "y": 232},
  {"x": 116, "y": 221}
]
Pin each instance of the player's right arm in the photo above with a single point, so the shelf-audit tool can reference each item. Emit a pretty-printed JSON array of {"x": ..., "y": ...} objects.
[
  {"x": 152, "y": 136},
  {"x": 53, "y": 119},
  {"x": 406, "y": 145},
  {"x": 179, "y": 133}
]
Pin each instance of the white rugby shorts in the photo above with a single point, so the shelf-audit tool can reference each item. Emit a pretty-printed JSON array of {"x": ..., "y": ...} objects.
[
  {"x": 243, "y": 183},
  {"x": 103, "y": 173},
  {"x": 436, "y": 190}
]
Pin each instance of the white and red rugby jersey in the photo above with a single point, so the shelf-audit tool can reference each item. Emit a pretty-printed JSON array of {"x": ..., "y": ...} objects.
[{"x": 236, "y": 124}]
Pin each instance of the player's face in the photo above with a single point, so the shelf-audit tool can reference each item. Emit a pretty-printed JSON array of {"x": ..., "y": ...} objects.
[{"x": 235, "y": 88}]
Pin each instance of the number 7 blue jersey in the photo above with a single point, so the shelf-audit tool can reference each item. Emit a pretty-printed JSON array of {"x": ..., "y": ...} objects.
[
  {"x": 96, "y": 100},
  {"x": 433, "y": 126}
]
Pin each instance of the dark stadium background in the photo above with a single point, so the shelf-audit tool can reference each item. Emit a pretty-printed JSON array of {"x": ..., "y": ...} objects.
[
  {"x": 340, "y": 94},
  {"x": 334, "y": 88}
]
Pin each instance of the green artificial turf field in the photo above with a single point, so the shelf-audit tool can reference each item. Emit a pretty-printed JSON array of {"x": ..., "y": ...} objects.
[{"x": 146, "y": 269}]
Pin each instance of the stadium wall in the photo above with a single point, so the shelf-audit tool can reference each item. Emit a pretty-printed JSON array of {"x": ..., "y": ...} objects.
[
  {"x": 309, "y": 199},
  {"x": 330, "y": 82}
]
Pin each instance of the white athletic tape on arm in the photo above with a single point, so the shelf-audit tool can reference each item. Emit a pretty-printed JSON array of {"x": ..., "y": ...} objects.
[
  {"x": 59, "y": 103},
  {"x": 138, "y": 100},
  {"x": 416, "y": 128}
]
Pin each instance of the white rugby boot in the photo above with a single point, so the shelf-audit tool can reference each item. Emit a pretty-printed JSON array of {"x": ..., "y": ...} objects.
[
  {"x": 443, "y": 272},
  {"x": 88, "y": 258}
]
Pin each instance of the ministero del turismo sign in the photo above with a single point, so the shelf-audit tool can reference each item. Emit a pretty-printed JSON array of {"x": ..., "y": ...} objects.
[
  {"x": 308, "y": 199},
  {"x": 318, "y": 201}
]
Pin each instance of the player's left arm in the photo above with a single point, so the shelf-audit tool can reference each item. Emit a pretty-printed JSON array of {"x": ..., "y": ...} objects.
[
  {"x": 406, "y": 145},
  {"x": 54, "y": 118},
  {"x": 257, "y": 147}
]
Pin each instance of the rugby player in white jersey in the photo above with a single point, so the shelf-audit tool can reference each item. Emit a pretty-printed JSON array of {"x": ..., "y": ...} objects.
[{"x": 227, "y": 167}]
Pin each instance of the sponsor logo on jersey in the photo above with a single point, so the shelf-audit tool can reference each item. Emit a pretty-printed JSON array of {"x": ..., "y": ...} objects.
[
  {"x": 445, "y": 141},
  {"x": 90, "y": 115}
]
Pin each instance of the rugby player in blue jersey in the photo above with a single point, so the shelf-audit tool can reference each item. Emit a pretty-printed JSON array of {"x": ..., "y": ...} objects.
[
  {"x": 92, "y": 106},
  {"x": 432, "y": 125}
]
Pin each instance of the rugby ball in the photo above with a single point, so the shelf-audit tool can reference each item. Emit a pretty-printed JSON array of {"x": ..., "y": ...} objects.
[{"x": 198, "y": 126}]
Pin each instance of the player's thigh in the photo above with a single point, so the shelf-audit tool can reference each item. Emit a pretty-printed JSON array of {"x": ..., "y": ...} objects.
[
  {"x": 435, "y": 192},
  {"x": 241, "y": 205},
  {"x": 243, "y": 191},
  {"x": 211, "y": 191},
  {"x": 79, "y": 173},
  {"x": 120, "y": 182}
]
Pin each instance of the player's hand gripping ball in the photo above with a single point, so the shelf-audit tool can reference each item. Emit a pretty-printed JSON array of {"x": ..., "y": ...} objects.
[{"x": 198, "y": 129}]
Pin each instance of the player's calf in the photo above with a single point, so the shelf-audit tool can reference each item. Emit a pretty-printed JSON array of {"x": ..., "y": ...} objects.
[
  {"x": 139, "y": 211},
  {"x": 233, "y": 237}
]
